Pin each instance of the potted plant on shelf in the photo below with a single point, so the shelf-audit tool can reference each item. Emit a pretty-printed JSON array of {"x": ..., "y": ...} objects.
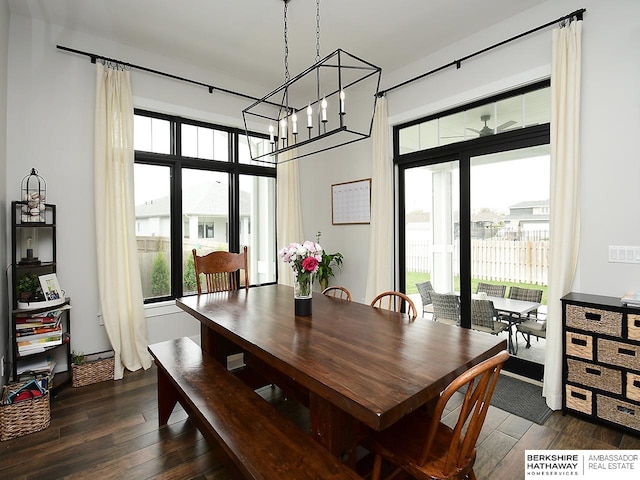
[
  {"x": 27, "y": 288},
  {"x": 325, "y": 266}
]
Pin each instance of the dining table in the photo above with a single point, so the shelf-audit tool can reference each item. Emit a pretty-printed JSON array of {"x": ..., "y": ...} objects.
[{"x": 359, "y": 368}]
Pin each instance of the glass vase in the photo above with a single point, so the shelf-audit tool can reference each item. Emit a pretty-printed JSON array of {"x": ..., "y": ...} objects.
[{"x": 302, "y": 294}]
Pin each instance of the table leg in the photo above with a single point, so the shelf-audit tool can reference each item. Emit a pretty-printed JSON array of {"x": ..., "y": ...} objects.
[
  {"x": 216, "y": 345},
  {"x": 513, "y": 337},
  {"x": 333, "y": 428}
]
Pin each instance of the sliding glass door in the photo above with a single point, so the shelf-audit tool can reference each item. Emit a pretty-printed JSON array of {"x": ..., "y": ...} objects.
[
  {"x": 509, "y": 229},
  {"x": 431, "y": 198}
]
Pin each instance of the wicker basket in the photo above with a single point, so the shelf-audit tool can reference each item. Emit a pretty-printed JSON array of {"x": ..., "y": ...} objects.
[
  {"x": 22, "y": 418},
  {"x": 92, "y": 372}
]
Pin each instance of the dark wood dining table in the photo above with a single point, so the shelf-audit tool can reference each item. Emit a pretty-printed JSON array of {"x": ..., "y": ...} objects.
[{"x": 361, "y": 367}]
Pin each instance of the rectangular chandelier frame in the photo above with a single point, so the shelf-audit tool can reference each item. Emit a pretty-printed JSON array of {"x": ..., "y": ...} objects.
[{"x": 308, "y": 114}]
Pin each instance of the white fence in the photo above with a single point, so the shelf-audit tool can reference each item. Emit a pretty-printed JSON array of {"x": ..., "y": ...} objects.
[{"x": 514, "y": 261}]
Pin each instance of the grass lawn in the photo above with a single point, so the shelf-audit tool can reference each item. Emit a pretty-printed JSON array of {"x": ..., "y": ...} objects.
[{"x": 416, "y": 277}]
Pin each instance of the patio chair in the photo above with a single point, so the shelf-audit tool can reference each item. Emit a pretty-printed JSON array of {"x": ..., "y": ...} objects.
[
  {"x": 528, "y": 295},
  {"x": 446, "y": 308},
  {"x": 536, "y": 326},
  {"x": 491, "y": 289},
  {"x": 483, "y": 317},
  {"x": 425, "y": 289}
]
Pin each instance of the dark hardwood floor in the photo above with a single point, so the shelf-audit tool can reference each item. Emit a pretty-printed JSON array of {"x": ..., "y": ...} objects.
[{"x": 109, "y": 430}]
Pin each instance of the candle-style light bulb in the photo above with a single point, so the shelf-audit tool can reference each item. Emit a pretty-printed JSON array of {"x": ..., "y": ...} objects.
[
  {"x": 309, "y": 117},
  {"x": 283, "y": 128},
  {"x": 271, "y": 140},
  {"x": 323, "y": 106},
  {"x": 342, "y": 101},
  {"x": 294, "y": 124}
]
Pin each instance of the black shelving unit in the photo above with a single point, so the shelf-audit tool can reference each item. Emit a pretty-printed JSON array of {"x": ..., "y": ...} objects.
[{"x": 33, "y": 250}]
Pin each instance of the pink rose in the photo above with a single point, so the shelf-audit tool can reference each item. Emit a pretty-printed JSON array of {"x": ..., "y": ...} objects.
[{"x": 310, "y": 264}]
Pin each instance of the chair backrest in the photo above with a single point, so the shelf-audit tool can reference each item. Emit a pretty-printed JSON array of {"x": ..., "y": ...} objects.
[
  {"x": 337, "y": 292},
  {"x": 526, "y": 294},
  {"x": 394, "y": 301},
  {"x": 425, "y": 289},
  {"x": 480, "y": 381},
  {"x": 221, "y": 270},
  {"x": 446, "y": 307},
  {"x": 482, "y": 313},
  {"x": 491, "y": 290}
]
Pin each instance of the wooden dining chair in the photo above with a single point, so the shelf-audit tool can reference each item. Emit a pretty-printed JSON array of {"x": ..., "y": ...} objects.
[
  {"x": 221, "y": 270},
  {"x": 395, "y": 301},
  {"x": 337, "y": 292},
  {"x": 491, "y": 289},
  {"x": 424, "y": 447}
]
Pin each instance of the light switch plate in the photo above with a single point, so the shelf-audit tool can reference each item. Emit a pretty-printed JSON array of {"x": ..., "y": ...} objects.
[{"x": 624, "y": 254}]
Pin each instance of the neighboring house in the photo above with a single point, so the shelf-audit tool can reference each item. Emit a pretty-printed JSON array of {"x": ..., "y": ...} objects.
[
  {"x": 205, "y": 220},
  {"x": 527, "y": 217}
]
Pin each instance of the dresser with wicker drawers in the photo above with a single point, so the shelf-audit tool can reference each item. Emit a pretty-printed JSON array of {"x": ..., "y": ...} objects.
[{"x": 601, "y": 352}]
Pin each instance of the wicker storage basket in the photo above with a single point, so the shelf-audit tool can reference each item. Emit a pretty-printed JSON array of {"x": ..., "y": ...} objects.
[
  {"x": 92, "y": 372},
  {"x": 22, "y": 418}
]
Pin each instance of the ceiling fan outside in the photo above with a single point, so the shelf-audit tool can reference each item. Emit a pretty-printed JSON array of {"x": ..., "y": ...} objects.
[{"x": 486, "y": 130}]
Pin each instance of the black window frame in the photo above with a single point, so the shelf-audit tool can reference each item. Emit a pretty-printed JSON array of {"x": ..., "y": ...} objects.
[
  {"x": 176, "y": 163},
  {"x": 462, "y": 152}
]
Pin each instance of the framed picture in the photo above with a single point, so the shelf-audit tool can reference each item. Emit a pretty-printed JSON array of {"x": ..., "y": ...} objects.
[
  {"x": 50, "y": 287},
  {"x": 351, "y": 202}
]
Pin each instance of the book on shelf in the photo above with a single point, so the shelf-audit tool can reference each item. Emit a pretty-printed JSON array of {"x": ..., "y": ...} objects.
[
  {"x": 38, "y": 336},
  {"x": 27, "y": 332},
  {"x": 39, "y": 345}
]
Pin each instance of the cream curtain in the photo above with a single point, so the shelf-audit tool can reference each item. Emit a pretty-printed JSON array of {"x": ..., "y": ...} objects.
[
  {"x": 565, "y": 195},
  {"x": 380, "y": 275},
  {"x": 118, "y": 271},
  {"x": 289, "y": 221}
]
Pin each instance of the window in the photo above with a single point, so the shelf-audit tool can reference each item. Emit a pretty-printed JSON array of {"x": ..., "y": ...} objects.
[{"x": 196, "y": 188}]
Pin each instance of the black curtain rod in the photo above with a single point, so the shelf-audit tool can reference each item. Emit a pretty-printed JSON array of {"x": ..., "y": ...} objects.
[
  {"x": 212, "y": 88},
  {"x": 457, "y": 63}
]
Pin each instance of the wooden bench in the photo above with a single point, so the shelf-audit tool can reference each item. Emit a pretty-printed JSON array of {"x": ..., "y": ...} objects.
[{"x": 259, "y": 442}]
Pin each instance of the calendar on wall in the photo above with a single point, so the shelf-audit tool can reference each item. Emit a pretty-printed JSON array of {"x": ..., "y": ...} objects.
[{"x": 351, "y": 202}]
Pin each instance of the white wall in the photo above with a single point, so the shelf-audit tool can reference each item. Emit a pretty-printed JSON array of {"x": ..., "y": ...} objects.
[
  {"x": 50, "y": 108},
  {"x": 4, "y": 49}
]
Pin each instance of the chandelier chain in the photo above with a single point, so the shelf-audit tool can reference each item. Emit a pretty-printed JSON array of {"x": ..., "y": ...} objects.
[
  {"x": 286, "y": 44},
  {"x": 317, "y": 31}
]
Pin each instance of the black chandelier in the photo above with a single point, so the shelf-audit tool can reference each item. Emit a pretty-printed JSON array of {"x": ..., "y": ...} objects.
[{"x": 315, "y": 110}]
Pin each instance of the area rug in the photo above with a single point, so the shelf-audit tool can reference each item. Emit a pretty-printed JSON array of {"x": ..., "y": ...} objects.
[{"x": 520, "y": 398}]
